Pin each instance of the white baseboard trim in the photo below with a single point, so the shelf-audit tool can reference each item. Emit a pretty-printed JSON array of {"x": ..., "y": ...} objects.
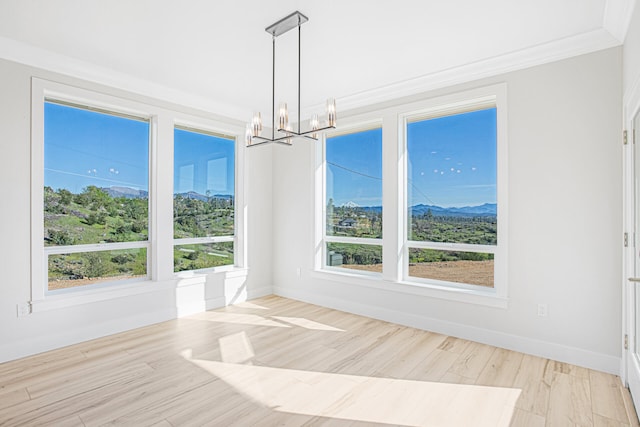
[
  {"x": 548, "y": 350},
  {"x": 259, "y": 292},
  {"x": 40, "y": 344},
  {"x": 213, "y": 303}
]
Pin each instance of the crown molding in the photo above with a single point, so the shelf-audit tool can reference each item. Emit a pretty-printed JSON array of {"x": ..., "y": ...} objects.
[
  {"x": 536, "y": 55},
  {"x": 617, "y": 16},
  {"x": 50, "y": 61},
  {"x": 580, "y": 44}
]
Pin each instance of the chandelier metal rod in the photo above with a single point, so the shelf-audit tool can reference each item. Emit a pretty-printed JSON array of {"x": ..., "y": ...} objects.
[
  {"x": 273, "y": 89},
  {"x": 295, "y": 19},
  {"x": 299, "y": 56}
]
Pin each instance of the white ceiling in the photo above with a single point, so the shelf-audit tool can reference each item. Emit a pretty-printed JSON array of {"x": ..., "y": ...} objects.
[{"x": 216, "y": 54}]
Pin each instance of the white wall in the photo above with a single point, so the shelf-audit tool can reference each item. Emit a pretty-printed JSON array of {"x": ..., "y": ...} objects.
[
  {"x": 564, "y": 223},
  {"x": 20, "y": 336},
  {"x": 564, "y": 213},
  {"x": 631, "y": 53}
]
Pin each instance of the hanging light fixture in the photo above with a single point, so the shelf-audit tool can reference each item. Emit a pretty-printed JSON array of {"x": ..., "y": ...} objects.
[{"x": 254, "y": 129}]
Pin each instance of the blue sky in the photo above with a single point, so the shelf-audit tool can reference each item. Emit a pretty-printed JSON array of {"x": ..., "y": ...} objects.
[
  {"x": 451, "y": 162},
  {"x": 203, "y": 163},
  {"x": 85, "y": 148},
  {"x": 354, "y": 168},
  {"x": 88, "y": 148},
  {"x": 452, "y": 159}
]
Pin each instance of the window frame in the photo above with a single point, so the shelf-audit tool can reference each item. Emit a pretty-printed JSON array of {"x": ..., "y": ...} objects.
[
  {"x": 216, "y": 131},
  {"x": 349, "y": 129},
  {"x": 395, "y": 277},
  {"x": 43, "y": 92},
  {"x": 159, "y": 245},
  {"x": 434, "y": 112}
]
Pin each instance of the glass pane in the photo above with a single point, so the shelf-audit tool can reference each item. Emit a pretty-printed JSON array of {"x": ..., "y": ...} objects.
[
  {"x": 89, "y": 268},
  {"x": 203, "y": 185},
  {"x": 452, "y": 178},
  {"x": 96, "y": 177},
  {"x": 355, "y": 257},
  {"x": 472, "y": 268},
  {"x": 204, "y": 255},
  {"x": 354, "y": 184}
]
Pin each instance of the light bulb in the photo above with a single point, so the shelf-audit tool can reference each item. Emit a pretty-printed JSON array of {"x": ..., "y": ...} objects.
[
  {"x": 247, "y": 136},
  {"x": 331, "y": 112},
  {"x": 256, "y": 124},
  {"x": 314, "y": 124},
  {"x": 283, "y": 116}
]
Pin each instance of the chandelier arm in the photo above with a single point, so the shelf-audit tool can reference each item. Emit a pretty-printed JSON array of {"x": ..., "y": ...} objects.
[
  {"x": 294, "y": 133},
  {"x": 281, "y": 140}
]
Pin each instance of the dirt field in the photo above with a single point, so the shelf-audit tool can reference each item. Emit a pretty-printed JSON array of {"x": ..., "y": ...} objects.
[
  {"x": 473, "y": 272},
  {"x": 63, "y": 284}
]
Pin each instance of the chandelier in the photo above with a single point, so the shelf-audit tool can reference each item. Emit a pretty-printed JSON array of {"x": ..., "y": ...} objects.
[{"x": 253, "y": 135}]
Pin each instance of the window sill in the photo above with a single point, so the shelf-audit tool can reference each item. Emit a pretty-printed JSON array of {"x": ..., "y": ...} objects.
[
  {"x": 488, "y": 298},
  {"x": 187, "y": 278},
  {"x": 76, "y": 297}
]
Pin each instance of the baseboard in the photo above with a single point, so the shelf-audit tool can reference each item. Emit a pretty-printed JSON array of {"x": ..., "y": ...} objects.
[
  {"x": 36, "y": 345},
  {"x": 548, "y": 350},
  {"x": 259, "y": 292},
  {"x": 213, "y": 303}
]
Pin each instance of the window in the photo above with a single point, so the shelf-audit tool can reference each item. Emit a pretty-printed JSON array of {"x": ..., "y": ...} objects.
[
  {"x": 107, "y": 221},
  {"x": 203, "y": 199},
  {"x": 96, "y": 195},
  {"x": 452, "y": 194},
  {"x": 444, "y": 194},
  {"x": 353, "y": 201}
]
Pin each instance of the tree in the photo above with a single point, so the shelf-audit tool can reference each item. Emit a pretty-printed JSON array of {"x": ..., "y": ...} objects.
[
  {"x": 66, "y": 196},
  {"x": 93, "y": 265},
  {"x": 60, "y": 237}
]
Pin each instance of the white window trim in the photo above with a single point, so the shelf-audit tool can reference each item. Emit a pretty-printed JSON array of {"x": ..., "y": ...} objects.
[
  {"x": 239, "y": 249},
  {"x": 439, "y": 108},
  {"x": 160, "y": 275},
  {"x": 320, "y": 262},
  {"x": 395, "y": 243}
]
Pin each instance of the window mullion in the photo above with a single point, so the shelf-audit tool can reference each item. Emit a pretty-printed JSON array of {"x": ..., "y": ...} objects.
[
  {"x": 392, "y": 199},
  {"x": 162, "y": 203},
  {"x": 489, "y": 249}
]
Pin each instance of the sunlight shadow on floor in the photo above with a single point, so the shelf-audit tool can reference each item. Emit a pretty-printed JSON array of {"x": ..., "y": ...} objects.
[
  {"x": 362, "y": 398},
  {"x": 237, "y": 318},
  {"x": 307, "y": 324},
  {"x": 249, "y": 305},
  {"x": 236, "y": 348}
]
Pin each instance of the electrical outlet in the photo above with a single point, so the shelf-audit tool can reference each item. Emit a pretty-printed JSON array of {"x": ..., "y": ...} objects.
[
  {"x": 542, "y": 310},
  {"x": 23, "y": 309}
]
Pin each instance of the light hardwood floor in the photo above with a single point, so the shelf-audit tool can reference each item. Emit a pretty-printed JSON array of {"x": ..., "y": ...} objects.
[{"x": 274, "y": 361}]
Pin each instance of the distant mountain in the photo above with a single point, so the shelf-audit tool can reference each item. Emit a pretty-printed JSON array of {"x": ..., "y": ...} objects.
[
  {"x": 350, "y": 204},
  {"x": 132, "y": 193},
  {"x": 197, "y": 196},
  {"x": 126, "y": 192},
  {"x": 487, "y": 209}
]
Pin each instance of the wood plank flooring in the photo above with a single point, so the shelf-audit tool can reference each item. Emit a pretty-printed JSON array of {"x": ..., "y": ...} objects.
[{"x": 275, "y": 361}]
